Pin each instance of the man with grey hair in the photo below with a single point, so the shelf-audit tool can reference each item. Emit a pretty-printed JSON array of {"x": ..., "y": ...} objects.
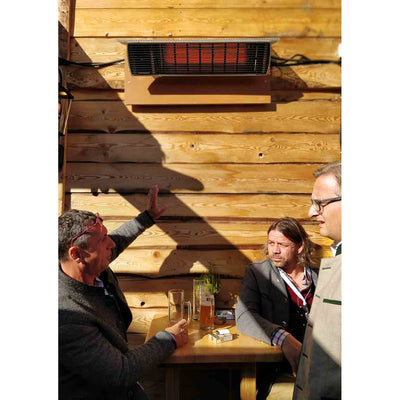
[
  {"x": 95, "y": 362},
  {"x": 319, "y": 372}
]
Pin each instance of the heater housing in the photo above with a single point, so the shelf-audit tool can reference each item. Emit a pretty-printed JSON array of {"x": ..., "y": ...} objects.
[{"x": 197, "y": 71}]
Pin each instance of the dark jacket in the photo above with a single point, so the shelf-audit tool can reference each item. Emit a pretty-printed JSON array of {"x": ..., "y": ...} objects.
[
  {"x": 263, "y": 304},
  {"x": 94, "y": 360}
]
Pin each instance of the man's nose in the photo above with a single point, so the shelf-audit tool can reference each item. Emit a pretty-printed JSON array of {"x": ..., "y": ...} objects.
[
  {"x": 111, "y": 243},
  {"x": 277, "y": 248},
  {"x": 312, "y": 212}
]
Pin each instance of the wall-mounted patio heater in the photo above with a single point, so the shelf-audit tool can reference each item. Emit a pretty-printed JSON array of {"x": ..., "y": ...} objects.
[{"x": 197, "y": 71}]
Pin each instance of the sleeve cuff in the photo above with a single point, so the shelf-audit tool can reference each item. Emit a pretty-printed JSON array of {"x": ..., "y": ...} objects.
[
  {"x": 279, "y": 336},
  {"x": 145, "y": 219},
  {"x": 170, "y": 334}
]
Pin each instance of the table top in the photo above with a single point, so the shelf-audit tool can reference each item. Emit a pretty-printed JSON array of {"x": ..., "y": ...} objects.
[{"x": 201, "y": 349}]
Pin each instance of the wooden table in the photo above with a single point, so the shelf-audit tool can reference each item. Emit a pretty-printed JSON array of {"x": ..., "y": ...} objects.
[{"x": 200, "y": 349}]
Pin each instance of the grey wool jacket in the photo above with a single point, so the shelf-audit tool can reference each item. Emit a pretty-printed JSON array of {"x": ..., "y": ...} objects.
[
  {"x": 263, "y": 304},
  {"x": 94, "y": 359}
]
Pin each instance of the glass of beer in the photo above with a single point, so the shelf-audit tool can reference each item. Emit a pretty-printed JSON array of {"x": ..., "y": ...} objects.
[
  {"x": 197, "y": 282},
  {"x": 207, "y": 309}
]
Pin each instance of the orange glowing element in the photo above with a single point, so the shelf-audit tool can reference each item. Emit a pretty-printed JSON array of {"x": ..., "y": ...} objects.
[{"x": 181, "y": 54}]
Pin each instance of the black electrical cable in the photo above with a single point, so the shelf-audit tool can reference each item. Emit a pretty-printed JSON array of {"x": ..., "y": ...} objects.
[
  {"x": 297, "y": 59},
  {"x": 63, "y": 61}
]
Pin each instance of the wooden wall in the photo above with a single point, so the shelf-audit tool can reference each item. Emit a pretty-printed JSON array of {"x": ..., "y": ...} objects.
[{"x": 225, "y": 171}]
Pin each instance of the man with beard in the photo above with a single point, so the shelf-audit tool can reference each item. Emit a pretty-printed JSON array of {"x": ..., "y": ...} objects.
[{"x": 276, "y": 296}]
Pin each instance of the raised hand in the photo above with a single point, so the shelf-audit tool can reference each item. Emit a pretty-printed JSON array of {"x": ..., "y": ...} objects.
[{"x": 152, "y": 207}]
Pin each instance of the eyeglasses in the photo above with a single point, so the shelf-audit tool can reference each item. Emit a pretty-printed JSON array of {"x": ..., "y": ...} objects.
[
  {"x": 98, "y": 222},
  {"x": 320, "y": 204}
]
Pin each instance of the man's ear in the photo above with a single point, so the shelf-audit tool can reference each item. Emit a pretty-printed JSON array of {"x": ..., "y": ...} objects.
[
  {"x": 300, "y": 249},
  {"x": 74, "y": 253}
]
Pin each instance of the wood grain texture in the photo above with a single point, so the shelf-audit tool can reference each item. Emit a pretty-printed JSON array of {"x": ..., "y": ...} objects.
[
  {"x": 243, "y": 22},
  {"x": 113, "y": 117},
  {"x": 278, "y": 96},
  {"x": 318, "y": 76},
  {"x": 208, "y": 4},
  {"x": 156, "y": 263},
  {"x": 191, "y": 178},
  {"x": 141, "y": 319},
  {"x": 175, "y": 262},
  {"x": 115, "y": 205},
  {"x": 200, "y": 349},
  {"x": 64, "y": 22},
  {"x": 203, "y": 148},
  {"x": 212, "y": 234},
  {"x": 101, "y": 49},
  {"x": 148, "y": 294}
]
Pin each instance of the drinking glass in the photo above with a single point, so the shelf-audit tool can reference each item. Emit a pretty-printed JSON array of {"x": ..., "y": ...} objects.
[
  {"x": 176, "y": 305},
  {"x": 196, "y": 297},
  {"x": 207, "y": 309}
]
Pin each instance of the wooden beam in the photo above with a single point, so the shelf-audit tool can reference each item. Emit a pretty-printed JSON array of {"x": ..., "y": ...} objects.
[
  {"x": 243, "y": 22},
  {"x": 191, "y": 178},
  {"x": 208, "y": 234},
  {"x": 207, "y": 4},
  {"x": 113, "y": 117},
  {"x": 302, "y": 77},
  {"x": 242, "y": 206},
  {"x": 102, "y": 49},
  {"x": 204, "y": 148},
  {"x": 278, "y": 96},
  {"x": 158, "y": 262}
]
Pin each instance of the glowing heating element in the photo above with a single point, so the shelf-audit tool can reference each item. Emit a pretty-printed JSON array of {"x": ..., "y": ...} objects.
[{"x": 199, "y": 57}]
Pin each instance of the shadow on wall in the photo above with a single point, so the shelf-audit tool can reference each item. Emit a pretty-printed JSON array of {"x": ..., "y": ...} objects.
[{"x": 135, "y": 176}]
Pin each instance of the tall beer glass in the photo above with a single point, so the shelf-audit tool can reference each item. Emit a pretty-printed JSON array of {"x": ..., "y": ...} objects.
[{"x": 207, "y": 309}]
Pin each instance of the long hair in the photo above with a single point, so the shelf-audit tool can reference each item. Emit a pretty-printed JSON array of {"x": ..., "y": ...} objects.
[{"x": 293, "y": 230}]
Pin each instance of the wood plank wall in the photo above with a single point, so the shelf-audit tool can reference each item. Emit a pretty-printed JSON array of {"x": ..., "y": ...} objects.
[{"x": 226, "y": 171}]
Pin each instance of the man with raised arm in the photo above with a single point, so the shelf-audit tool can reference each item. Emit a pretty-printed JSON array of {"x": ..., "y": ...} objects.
[{"x": 94, "y": 359}]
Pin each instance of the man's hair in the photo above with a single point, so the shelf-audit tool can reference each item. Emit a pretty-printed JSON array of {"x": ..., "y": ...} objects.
[
  {"x": 70, "y": 224},
  {"x": 334, "y": 169},
  {"x": 292, "y": 229}
]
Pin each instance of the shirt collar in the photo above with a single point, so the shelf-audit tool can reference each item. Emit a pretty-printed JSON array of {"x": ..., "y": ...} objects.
[
  {"x": 99, "y": 283},
  {"x": 335, "y": 248}
]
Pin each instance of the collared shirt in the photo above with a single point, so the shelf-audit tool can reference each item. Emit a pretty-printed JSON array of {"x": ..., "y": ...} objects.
[
  {"x": 334, "y": 249},
  {"x": 99, "y": 283},
  {"x": 301, "y": 300}
]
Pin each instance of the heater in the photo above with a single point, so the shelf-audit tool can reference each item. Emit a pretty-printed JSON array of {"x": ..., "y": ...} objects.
[{"x": 197, "y": 71}]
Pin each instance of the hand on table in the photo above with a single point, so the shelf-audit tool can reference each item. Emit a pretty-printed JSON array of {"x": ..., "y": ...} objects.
[
  {"x": 152, "y": 207},
  {"x": 179, "y": 332},
  {"x": 291, "y": 348}
]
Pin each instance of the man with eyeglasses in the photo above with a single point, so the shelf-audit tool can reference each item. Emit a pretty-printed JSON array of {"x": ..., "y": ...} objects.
[
  {"x": 319, "y": 372},
  {"x": 94, "y": 359}
]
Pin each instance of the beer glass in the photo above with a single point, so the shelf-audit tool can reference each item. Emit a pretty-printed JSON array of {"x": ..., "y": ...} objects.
[
  {"x": 196, "y": 297},
  {"x": 207, "y": 309},
  {"x": 176, "y": 304}
]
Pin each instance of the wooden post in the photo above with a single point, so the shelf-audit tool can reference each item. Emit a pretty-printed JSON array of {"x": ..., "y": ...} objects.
[
  {"x": 65, "y": 10},
  {"x": 172, "y": 383},
  {"x": 248, "y": 381}
]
